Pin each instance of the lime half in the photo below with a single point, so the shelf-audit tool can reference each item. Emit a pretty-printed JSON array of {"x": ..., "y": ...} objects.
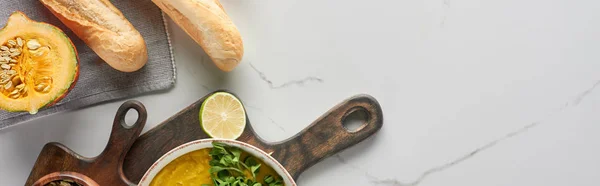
[{"x": 222, "y": 116}]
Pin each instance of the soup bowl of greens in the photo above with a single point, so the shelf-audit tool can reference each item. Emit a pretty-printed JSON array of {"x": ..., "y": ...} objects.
[{"x": 217, "y": 162}]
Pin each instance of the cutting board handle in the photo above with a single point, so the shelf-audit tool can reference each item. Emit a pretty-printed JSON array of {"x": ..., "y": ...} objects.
[
  {"x": 56, "y": 160},
  {"x": 327, "y": 135},
  {"x": 122, "y": 136}
]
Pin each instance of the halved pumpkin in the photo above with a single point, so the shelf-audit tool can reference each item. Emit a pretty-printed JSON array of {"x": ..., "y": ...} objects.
[{"x": 38, "y": 64}]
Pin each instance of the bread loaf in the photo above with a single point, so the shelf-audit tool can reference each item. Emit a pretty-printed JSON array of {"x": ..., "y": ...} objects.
[
  {"x": 104, "y": 29},
  {"x": 208, "y": 24}
]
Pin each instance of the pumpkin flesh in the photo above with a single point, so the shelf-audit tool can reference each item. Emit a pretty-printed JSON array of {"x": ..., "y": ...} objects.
[{"x": 46, "y": 68}]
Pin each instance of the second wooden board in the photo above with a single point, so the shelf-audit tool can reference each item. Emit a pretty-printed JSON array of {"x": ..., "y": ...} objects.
[{"x": 324, "y": 137}]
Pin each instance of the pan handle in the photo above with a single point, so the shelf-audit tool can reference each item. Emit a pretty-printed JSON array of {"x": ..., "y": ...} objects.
[{"x": 327, "y": 136}]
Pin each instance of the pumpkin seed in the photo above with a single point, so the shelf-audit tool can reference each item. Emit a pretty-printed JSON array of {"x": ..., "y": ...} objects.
[
  {"x": 8, "y": 85},
  {"x": 40, "y": 87},
  {"x": 11, "y": 83},
  {"x": 65, "y": 182},
  {"x": 46, "y": 89},
  {"x": 33, "y": 44},
  {"x": 19, "y": 42},
  {"x": 16, "y": 53}
]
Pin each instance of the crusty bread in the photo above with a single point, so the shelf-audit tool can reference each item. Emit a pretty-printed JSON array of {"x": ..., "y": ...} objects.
[
  {"x": 104, "y": 29},
  {"x": 208, "y": 24}
]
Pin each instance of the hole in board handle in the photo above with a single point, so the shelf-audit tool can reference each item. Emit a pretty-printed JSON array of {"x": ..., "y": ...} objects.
[
  {"x": 355, "y": 120},
  {"x": 131, "y": 117}
]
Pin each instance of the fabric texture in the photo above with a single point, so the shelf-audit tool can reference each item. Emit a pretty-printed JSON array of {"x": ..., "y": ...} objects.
[{"x": 98, "y": 82}]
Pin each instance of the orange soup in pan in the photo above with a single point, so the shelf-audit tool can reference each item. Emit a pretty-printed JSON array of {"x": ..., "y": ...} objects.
[{"x": 193, "y": 168}]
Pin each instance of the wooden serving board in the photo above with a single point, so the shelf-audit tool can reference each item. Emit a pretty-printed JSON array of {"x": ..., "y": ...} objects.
[{"x": 120, "y": 165}]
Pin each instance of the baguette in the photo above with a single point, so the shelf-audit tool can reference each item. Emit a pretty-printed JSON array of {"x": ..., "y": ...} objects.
[
  {"x": 208, "y": 24},
  {"x": 104, "y": 29}
]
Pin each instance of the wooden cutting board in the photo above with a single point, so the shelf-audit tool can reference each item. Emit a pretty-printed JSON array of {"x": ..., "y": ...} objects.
[{"x": 125, "y": 159}]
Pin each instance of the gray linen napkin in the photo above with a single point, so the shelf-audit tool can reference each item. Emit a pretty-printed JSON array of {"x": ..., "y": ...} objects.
[{"x": 98, "y": 82}]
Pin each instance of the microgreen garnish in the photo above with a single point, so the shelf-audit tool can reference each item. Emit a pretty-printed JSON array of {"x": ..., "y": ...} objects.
[{"x": 227, "y": 168}]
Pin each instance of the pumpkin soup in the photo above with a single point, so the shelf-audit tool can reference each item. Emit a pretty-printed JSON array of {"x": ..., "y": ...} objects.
[
  {"x": 221, "y": 165},
  {"x": 189, "y": 169}
]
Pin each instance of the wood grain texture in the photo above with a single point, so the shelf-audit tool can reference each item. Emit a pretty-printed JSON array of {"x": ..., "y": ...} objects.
[
  {"x": 124, "y": 161},
  {"x": 327, "y": 136},
  {"x": 181, "y": 128},
  {"x": 324, "y": 137},
  {"x": 104, "y": 169}
]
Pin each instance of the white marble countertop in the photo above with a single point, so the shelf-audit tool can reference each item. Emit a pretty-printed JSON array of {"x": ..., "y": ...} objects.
[{"x": 474, "y": 93}]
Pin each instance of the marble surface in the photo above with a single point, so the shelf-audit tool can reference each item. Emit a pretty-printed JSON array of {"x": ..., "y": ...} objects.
[{"x": 474, "y": 93}]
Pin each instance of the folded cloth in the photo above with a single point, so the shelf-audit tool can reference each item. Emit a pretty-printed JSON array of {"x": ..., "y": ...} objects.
[{"x": 98, "y": 82}]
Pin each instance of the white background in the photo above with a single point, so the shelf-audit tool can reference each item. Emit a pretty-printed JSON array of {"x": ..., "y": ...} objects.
[{"x": 474, "y": 93}]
